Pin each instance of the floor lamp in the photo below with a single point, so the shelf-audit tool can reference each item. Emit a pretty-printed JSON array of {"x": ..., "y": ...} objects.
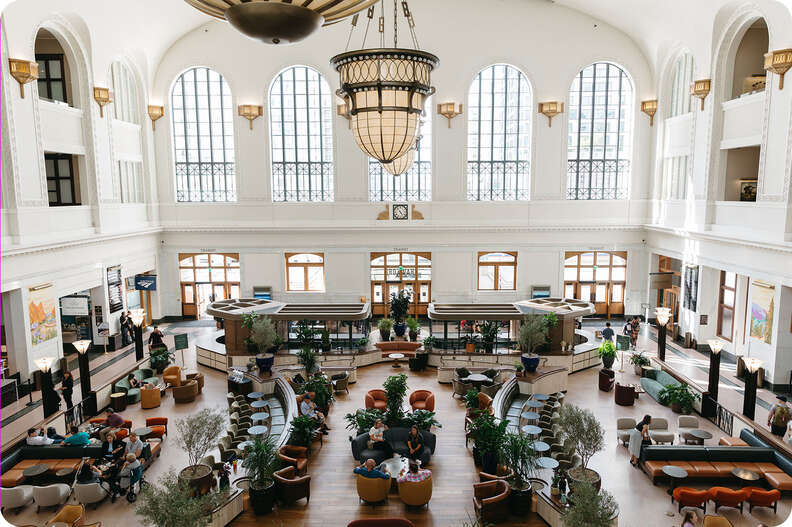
[
  {"x": 663, "y": 314},
  {"x": 85, "y": 368},
  {"x": 749, "y": 399},
  {"x": 138, "y": 315},
  {"x": 49, "y": 398}
]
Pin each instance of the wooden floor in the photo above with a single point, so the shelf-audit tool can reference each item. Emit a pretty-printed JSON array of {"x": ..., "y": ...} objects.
[{"x": 334, "y": 499}]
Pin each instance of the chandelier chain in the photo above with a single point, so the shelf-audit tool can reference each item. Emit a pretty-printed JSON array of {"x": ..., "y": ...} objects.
[
  {"x": 382, "y": 24},
  {"x": 370, "y": 16},
  {"x": 395, "y": 24},
  {"x": 410, "y": 23},
  {"x": 351, "y": 30}
]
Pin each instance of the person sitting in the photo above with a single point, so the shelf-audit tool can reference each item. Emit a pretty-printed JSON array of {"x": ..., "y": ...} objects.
[
  {"x": 112, "y": 448},
  {"x": 88, "y": 473},
  {"x": 367, "y": 470},
  {"x": 377, "y": 438},
  {"x": 414, "y": 475},
  {"x": 126, "y": 471},
  {"x": 415, "y": 443},
  {"x": 308, "y": 407},
  {"x": 134, "y": 445},
  {"x": 132, "y": 380},
  {"x": 77, "y": 438},
  {"x": 113, "y": 422},
  {"x": 37, "y": 437}
]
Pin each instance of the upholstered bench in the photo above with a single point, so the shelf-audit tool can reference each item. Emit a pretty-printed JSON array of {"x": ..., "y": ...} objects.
[{"x": 731, "y": 441}]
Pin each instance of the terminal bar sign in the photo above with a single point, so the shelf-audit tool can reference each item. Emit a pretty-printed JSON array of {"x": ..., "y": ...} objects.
[{"x": 146, "y": 282}]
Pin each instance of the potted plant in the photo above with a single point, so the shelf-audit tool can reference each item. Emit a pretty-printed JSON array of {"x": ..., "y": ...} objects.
[
  {"x": 679, "y": 397},
  {"x": 197, "y": 434},
  {"x": 399, "y": 306},
  {"x": 321, "y": 391},
  {"x": 325, "y": 334},
  {"x": 588, "y": 437},
  {"x": 385, "y": 325},
  {"x": 414, "y": 327},
  {"x": 307, "y": 357},
  {"x": 639, "y": 361},
  {"x": 470, "y": 342},
  {"x": 170, "y": 502},
  {"x": 363, "y": 419},
  {"x": 607, "y": 352},
  {"x": 261, "y": 460},
  {"x": 590, "y": 507},
  {"x": 518, "y": 369},
  {"x": 533, "y": 333},
  {"x": 518, "y": 454},
  {"x": 423, "y": 419},
  {"x": 159, "y": 359},
  {"x": 488, "y": 436},
  {"x": 395, "y": 388},
  {"x": 305, "y": 334},
  {"x": 555, "y": 486},
  {"x": 471, "y": 402},
  {"x": 303, "y": 431},
  {"x": 362, "y": 344},
  {"x": 429, "y": 343},
  {"x": 489, "y": 333}
]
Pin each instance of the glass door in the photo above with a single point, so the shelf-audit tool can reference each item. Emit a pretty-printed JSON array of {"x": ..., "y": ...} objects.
[{"x": 204, "y": 297}]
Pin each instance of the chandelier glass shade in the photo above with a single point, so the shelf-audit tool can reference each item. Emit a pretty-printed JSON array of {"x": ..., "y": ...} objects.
[
  {"x": 385, "y": 90},
  {"x": 400, "y": 165}
]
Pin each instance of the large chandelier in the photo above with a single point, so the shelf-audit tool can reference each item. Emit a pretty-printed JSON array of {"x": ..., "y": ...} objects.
[
  {"x": 400, "y": 165},
  {"x": 385, "y": 90},
  {"x": 280, "y": 21}
]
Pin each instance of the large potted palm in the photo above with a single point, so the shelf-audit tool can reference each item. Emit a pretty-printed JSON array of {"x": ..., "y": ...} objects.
[
  {"x": 399, "y": 306},
  {"x": 171, "y": 502},
  {"x": 488, "y": 435},
  {"x": 197, "y": 434},
  {"x": 395, "y": 388},
  {"x": 582, "y": 428},
  {"x": 518, "y": 454},
  {"x": 261, "y": 460},
  {"x": 489, "y": 333}
]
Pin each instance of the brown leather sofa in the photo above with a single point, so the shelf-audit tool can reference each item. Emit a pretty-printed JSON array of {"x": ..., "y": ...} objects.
[
  {"x": 422, "y": 400},
  {"x": 172, "y": 375},
  {"x": 624, "y": 395},
  {"x": 376, "y": 399},
  {"x": 186, "y": 393},
  {"x": 416, "y": 493},
  {"x": 295, "y": 456},
  {"x": 491, "y": 500},
  {"x": 372, "y": 490},
  {"x": 606, "y": 379},
  {"x": 398, "y": 346},
  {"x": 290, "y": 487}
]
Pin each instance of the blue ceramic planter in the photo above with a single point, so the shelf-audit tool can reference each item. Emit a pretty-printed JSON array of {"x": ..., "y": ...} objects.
[
  {"x": 530, "y": 362},
  {"x": 400, "y": 329}
]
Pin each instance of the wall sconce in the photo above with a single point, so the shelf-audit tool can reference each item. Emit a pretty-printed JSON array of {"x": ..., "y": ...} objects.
[
  {"x": 23, "y": 71},
  {"x": 250, "y": 112},
  {"x": 779, "y": 62},
  {"x": 82, "y": 346},
  {"x": 155, "y": 112},
  {"x": 343, "y": 111},
  {"x": 716, "y": 345},
  {"x": 551, "y": 109},
  {"x": 650, "y": 109},
  {"x": 102, "y": 97},
  {"x": 44, "y": 363},
  {"x": 448, "y": 110},
  {"x": 701, "y": 89}
]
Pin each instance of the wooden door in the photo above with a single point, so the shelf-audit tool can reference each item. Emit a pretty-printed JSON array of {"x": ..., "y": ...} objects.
[{"x": 189, "y": 306}]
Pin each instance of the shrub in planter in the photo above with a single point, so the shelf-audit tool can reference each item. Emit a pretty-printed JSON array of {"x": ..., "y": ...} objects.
[
  {"x": 471, "y": 401},
  {"x": 302, "y": 431},
  {"x": 362, "y": 344},
  {"x": 639, "y": 360},
  {"x": 590, "y": 508},
  {"x": 170, "y": 502},
  {"x": 305, "y": 334},
  {"x": 363, "y": 419},
  {"x": 262, "y": 332},
  {"x": 399, "y": 306},
  {"x": 414, "y": 327},
  {"x": 325, "y": 340},
  {"x": 385, "y": 325},
  {"x": 518, "y": 368},
  {"x": 488, "y": 436},
  {"x": 533, "y": 334},
  {"x": 395, "y": 388},
  {"x": 261, "y": 460},
  {"x": 581, "y": 427},
  {"x": 423, "y": 419},
  {"x": 518, "y": 454},
  {"x": 607, "y": 352},
  {"x": 429, "y": 343},
  {"x": 679, "y": 397},
  {"x": 160, "y": 358},
  {"x": 489, "y": 333},
  {"x": 307, "y": 357},
  {"x": 197, "y": 434}
]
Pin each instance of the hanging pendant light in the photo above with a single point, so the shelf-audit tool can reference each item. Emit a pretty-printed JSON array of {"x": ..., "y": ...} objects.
[
  {"x": 400, "y": 165},
  {"x": 385, "y": 89}
]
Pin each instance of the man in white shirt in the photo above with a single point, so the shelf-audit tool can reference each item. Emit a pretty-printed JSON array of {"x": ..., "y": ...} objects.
[
  {"x": 134, "y": 445},
  {"x": 308, "y": 407},
  {"x": 38, "y": 438}
]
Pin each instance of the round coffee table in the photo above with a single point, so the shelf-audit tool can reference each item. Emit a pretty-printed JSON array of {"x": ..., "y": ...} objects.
[
  {"x": 255, "y": 395},
  {"x": 36, "y": 473},
  {"x": 534, "y": 404},
  {"x": 745, "y": 474},
  {"x": 529, "y": 416},
  {"x": 258, "y": 430},
  {"x": 259, "y": 404},
  {"x": 396, "y": 357},
  {"x": 65, "y": 474},
  {"x": 396, "y": 466},
  {"x": 476, "y": 378},
  {"x": 540, "y": 446},
  {"x": 245, "y": 444},
  {"x": 546, "y": 462},
  {"x": 540, "y": 397},
  {"x": 142, "y": 432},
  {"x": 675, "y": 473},
  {"x": 697, "y": 435},
  {"x": 259, "y": 416},
  {"x": 531, "y": 430}
]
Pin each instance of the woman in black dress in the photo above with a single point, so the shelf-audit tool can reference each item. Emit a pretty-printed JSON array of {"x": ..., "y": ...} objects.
[{"x": 67, "y": 387}]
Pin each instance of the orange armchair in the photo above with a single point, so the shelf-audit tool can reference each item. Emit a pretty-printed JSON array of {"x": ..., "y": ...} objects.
[
  {"x": 422, "y": 400},
  {"x": 122, "y": 433},
  {"x": 484, "y": 402},
  {"x": 763, "y": 498},
  {"x": 172, "y": 376},
  {"x": 296, "y": 456},
  {"x": 687, "y": 497},
  {"x": 159, "y": 426},
  {"x": 491, "y": 500},
  {"x": 290, "y": 487},
  {"x": 376, "y": 399},
  {"x": 723, "y": 497}
]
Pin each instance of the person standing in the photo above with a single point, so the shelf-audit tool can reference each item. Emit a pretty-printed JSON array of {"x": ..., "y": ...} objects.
[
  {"x": 639, "y": 436},
  {"x": 67, "y": 388},
  {"x": 635, "y": 329},
  {"x": 779, "y": 417},
  {"x": 124, "y": 321},
  {"x": 608, "y": 333},
  {"x": 155, "y": 339}
]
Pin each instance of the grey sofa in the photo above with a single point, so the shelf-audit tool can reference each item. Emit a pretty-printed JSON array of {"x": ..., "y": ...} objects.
[{"x": 397, "y": 439}]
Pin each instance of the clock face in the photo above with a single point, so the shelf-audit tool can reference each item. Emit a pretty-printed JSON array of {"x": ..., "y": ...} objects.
[{"x": 400, "y": 212}]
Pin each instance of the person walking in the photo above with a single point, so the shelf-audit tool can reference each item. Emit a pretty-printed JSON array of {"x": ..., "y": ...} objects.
[
  {"x": 124, "y": 321},
  {"x": 635, "y": 329},
  {"x": 67, "y": 388},
  {"x": 779, "y": 417},
  {"x": 155, "y": 339},
  {"x": 608, "y": 333}
]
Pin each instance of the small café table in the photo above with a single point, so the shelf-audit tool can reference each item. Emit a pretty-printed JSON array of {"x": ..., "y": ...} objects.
[
  {"x": 675, "y": 473},
  {"x": 531, "y": 430},
  {"x": 259, "y": 404},
  {"x": 540, "y": 397},
  {"x": 258, "y": 430},
  {"x": 477, "y": 379},
  {"x": 260, "y": 416},
  {"x": 546, "y": 462},
  {"x": 142, "y": 432},
  {"x": 36, "y": 473},
  {"x": 255, "y": 395},
  {"x": 534, "y": 404},
  {"x": 396, "y": 357},
  {"x": 745, "y": 474},
  {"x": 540, "y": 446},
  {"x": 697, "y": 436}
]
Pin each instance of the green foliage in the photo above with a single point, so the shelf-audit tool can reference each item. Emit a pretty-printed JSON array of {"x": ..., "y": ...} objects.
[
  {"x": 307, "y": 358},
  {"x": 262, "y": 333},
  {"x": 533, "y": 333},
  {"x": 607, "y": 349},
  {"x": 363, "y": 419},
  {"x": 325, "y": 339},
  {"x": 400, "y": 305},
  {"x": 550, "y": 320},
  {"x": 429, "y": 342},
  {"x": 261, "y": 460},
  {"x": 302, "y": 432},
  {"x": 518, "y": 366},
  {"x": 488, "y": 434},
  {"x": 679, "y": 394},
  {"x": 395, "y": 388},
  {"x": 423, "y": 419},
  {"x": 581, "y": 427},
  {"x": 639, "y": 359},
  {"x": 413, "y": 325},
  {"x": 363, "y": 342},
  {"x": 321, "y": 388},
  {"x": 518, "y": 454},
  {"x": 198, "y": 432},
  {"x": 590, "y": 508},
  {"x": 489, "y": 331},
  {"x": 385, "y": 326},
  {"x": 169, "y": 503},
  {"x": 248, "y": 319},
  {"x": 305, "y": 334},
  {"x": 160, "y": 358},
  {"x": 471, "y": 399}
]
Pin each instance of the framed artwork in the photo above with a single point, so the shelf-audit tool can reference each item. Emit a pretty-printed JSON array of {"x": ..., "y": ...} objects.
[
  {"x": 748, "y": 189},
  {"x": 762, "y": 307},
  {"x": 690, "y": 300},
  {"x": 115, "y": 294},
  {"x": 41, "y": 308}
]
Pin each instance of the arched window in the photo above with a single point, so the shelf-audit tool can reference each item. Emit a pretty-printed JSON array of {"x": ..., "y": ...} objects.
[
  {"x": 125, "y": 98},
  {"x": 301, "y": 130},
  {"x": 497, "y": 271},
  {"x": 305, "y": 272},
  {"x": 600, "y": 133},
  {"x": 203, "y": 137},
  {"x": 500, "y": 106},
  {"x": 416, "y": 183},
  {"x": 676, "y": 168}
]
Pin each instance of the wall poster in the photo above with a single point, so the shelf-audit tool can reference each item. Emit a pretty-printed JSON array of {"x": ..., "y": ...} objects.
[
  {"x": 762, "y": 307},
  {"x": 690, "y": 299},
  {"x": 41, "y": 307},
  {"x": 115, "y": 293}
]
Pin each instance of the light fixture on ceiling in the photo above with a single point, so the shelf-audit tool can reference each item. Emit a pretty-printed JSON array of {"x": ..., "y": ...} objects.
[
  {"x": 649, "y": 108},
  {"x": 155, "y": 112},
  {"x": 23, "y": 71},
  {"x": 701, "y": 89},
  {"x": 102, "y": 97},
  {"x": 400, "y": 165},
  {"x": 251, "y": 112},
  {"x": 779, "y": 62},
  {"x": 386, "y": 89},
  {"x": 551, "y": 109},
  {"x": 449, "y": 111},
  {"x": 280, "y": 21}
]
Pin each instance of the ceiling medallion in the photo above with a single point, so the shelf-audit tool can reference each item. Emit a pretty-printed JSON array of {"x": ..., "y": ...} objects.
[
  {"x": 280, "y": 21},
  {"x": 385, "y": 90}
]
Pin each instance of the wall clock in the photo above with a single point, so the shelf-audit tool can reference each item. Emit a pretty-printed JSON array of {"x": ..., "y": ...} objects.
[{"x": 400, "y": 212}]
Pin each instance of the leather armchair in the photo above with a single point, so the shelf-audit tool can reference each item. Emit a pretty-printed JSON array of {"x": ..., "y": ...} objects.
[
  {"x": 372, "y": 490},
  {"x": 199, "y": 377},
  {"x": 624, "y": 395},
  {"x": 71, "y": 515},
  {"x": 290, "y": 487},
  {"x": 491, "y": 500},
  {"x": 296, "y": 456},
  {"x": 376, "y": 399},
  {"x": 461, "y": 388},
  {"x": 186, "y": 393},
  {"x": 341, "y": 384},
  {"x": 762, "y": 498},
  {"x": 687, "y": 497},
  {"x": 484, "y": 402},
  {"x": 150, "y": 398},
  {"x": 422, "y": 400},
  {"x": 503, "y": 472},
  {"x": 606, "y": 380},
  {"x": 172, "y": 375},
  {"x": 416, "y": 493},
  {"x": 723, "y": 497}
]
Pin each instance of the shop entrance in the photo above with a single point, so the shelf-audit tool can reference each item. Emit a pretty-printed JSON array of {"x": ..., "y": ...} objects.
[
  {"x": 394, "y": 272},
  {"x": 206, "y": 278},
  {"x": 598, "y": 277}
]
